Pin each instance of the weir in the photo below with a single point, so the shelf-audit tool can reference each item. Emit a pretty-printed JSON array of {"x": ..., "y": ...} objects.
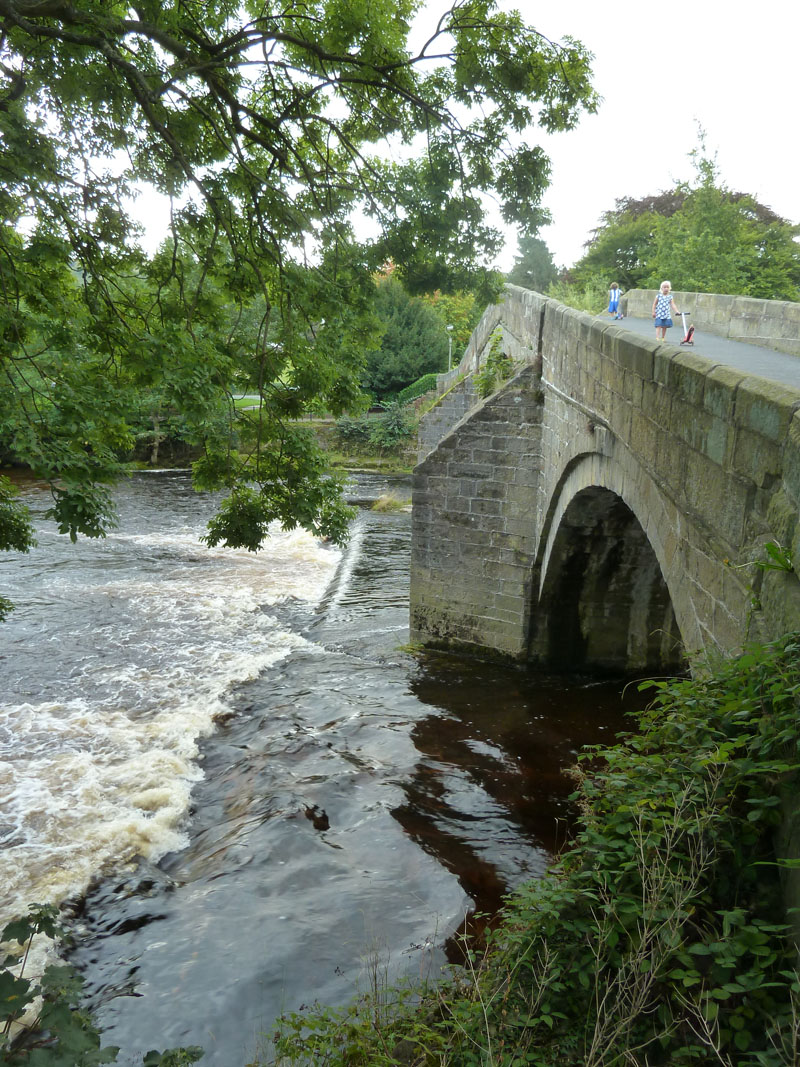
[{"x": 607, "y": 508}]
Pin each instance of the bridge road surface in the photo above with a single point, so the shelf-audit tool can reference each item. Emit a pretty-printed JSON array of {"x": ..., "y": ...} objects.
[{"x": 765, "y": 362}]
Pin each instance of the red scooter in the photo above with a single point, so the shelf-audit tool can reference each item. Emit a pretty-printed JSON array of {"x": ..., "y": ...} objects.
[{"x": 688, "y": 335}]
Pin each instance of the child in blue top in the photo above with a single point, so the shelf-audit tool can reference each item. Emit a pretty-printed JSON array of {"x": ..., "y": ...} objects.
[
  {"x": 662, "y": 306},
  {"x": 614, "y": 294}
]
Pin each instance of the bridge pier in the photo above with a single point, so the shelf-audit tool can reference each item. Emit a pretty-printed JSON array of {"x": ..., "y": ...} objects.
[{"x": 472, "y": 539}]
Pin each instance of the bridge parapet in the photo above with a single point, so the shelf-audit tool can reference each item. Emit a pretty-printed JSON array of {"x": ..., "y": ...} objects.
[
  {"x": 520, "y": 322},
  {"x": 772, "y": 323}
]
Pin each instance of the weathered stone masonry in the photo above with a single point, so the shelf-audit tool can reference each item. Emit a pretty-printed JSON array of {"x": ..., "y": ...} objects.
[
  {"x": 472, "y": 538},
  {"x": 594, "y": 511}
]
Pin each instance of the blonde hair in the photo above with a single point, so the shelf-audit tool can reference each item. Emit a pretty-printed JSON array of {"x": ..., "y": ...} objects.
[{"x": 668, "y": 284}]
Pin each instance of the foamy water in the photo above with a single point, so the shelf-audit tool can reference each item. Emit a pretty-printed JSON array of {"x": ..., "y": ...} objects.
[{"x": 118, "y": 661}]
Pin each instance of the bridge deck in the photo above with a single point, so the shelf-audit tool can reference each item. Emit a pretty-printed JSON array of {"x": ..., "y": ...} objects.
[{"x": 765, "y": 362}]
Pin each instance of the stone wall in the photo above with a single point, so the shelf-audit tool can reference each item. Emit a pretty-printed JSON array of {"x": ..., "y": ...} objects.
[
  {"x": 772, "y": 323},
  {"x": 520, "y": 323},
  {"x": 450, "y": 408}
]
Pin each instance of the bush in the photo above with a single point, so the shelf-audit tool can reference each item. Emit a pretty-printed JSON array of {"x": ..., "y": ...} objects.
[
  {"x": 392, "y": 430},
  {"x": 353, "y": 433},
  {"x": 383, "y": 433},
  {"x": 421, "y": 386},
  {"x": 497, "y": 369},
  {"x": 591, "y": 296}
]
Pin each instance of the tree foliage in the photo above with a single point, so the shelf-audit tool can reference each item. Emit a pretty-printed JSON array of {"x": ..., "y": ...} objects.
[
  {"x": 413, "y": 343},
  {"x": 461, "y": 311},
  {"x": 702, "y": 236},
  {"x": 533, "y": 267},
  {"x": 270, "y": 129}
]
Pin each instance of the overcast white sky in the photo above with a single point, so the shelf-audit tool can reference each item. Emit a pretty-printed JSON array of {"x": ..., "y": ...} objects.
[{"x": 661, "y": 69}]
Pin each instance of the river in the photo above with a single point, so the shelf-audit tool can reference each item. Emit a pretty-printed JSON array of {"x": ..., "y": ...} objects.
[{"x": 246, "y": 791}]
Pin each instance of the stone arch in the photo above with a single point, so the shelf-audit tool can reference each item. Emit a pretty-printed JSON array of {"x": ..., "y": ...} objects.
[{"x": 603, "y": 602}]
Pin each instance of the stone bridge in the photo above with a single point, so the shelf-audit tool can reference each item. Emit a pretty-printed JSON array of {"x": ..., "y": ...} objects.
[{"x": 606, "y": 508}]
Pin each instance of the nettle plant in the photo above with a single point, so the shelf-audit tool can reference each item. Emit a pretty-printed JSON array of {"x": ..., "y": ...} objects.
[
  {"x": 498, "y": 368},
  {"x": 42, "y": 1023}
]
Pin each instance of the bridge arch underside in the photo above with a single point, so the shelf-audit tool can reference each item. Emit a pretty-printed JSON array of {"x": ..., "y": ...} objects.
[{"x": 604, "y": 605}]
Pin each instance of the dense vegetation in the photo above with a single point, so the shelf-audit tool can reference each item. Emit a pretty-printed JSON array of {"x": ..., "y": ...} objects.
[
  {"x": 414, "y": 341},
  {"x": 659, "y": 937},
  {"x": 420, "y": 335}
]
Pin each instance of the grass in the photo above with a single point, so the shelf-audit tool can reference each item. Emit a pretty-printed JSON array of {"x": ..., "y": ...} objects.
[{"x": 391, "y": 502}]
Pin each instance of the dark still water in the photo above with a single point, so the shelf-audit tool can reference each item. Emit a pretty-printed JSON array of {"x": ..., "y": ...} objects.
[{"x": 250, "y": 795}]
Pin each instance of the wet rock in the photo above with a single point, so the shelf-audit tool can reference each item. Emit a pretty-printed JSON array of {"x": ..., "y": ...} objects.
[{"x": 318, "y": 817}]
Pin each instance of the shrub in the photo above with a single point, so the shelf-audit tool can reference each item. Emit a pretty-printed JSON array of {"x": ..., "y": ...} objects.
[
  {"x": 418, "y": 388},
  {"x": 497, "y": 369},
  {"x": 392, "y": 430},
  {"x": 591, "y": 296},
  {"x": 353, "y": 433},
  {"x": 383, "y": 433}
]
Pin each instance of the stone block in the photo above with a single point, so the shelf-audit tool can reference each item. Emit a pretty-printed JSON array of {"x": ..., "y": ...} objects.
[
  {"x": 513, "y": 605},
  {"x": 663, "y": 355},
  {"x": 765, "y": 407},
  {"x": 688, "y": 373},
  {"x": 718, "y": 441},
  {"x": 502, "y": 573},
  {"x": 644, "y": 438},
  {"x": 455, "y": 502},
  {"x": 782, "y": 517},
  {"x": 636, "y": 356},
  {"x": 633, "y": 387},
  {"x": 458, "y": 468},
  {"x": 510, "y": 445},
  {"x": 755, "y": 457},
  {"x": 717, "y": 497},
  {"x": 487, "y": 490},
  {"x": 719, "y": 396},
  {"x": 791, "y": 460},
  {"x": 486, "y": 507},
  {"x": 705, "y": 570},
  {"x": 693, "y": 426}
]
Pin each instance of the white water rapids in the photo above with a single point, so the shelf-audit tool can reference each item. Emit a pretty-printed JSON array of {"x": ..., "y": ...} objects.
[{"x": 117, "y": 661}]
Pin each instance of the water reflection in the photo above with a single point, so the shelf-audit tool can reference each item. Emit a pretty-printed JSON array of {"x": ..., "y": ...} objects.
[{"x": 489, "y": 795}]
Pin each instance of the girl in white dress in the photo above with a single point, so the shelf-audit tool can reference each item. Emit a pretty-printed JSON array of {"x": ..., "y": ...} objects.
[{"x": 662, "y": 306}]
